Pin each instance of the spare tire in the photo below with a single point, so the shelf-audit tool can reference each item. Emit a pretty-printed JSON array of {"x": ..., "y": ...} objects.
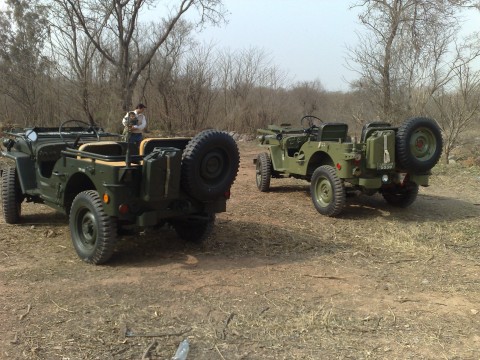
[
  {"x": 419, "y": 144},
  {"x": 209, "y": 165}
]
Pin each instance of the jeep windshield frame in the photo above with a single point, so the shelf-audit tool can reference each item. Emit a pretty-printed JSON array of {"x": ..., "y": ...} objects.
[{"x": 68, "y": 132}]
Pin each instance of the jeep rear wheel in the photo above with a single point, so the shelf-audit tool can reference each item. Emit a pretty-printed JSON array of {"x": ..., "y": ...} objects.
[
  {"x": 419, "y": 144},
  {"x": 12, "y": 196},
  {"x": 94, "y": 233},
  {"x": 401, "y": 196},
  {"x": 194, "y": 228},
  {"x": 209, "y": 165},
  {"x": 263, "y": 172},
  {"x": 327, "y": 191}
]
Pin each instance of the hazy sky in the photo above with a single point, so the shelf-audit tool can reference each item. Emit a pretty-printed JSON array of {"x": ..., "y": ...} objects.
[{"x": 306, "y": 38}]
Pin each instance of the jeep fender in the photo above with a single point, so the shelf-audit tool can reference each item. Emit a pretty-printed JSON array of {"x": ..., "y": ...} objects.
[
  {"x": 76, "y": 183},
  {"x": 25, "y": 170},
  {"x": 318, "y": 159}
]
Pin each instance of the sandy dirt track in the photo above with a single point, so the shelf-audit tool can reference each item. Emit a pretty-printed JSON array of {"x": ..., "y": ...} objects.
[{"x": 275, "y": 281}]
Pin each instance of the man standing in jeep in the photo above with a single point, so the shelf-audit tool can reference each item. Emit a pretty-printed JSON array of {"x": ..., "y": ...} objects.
[{"x": 137, "y": 130}]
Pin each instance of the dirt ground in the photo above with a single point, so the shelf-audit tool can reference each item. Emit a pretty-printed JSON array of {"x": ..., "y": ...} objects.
[{"x": 275, "y": 281}]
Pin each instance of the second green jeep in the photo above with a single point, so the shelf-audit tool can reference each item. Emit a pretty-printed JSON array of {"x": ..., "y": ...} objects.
[{"x": 393, "y": 161}]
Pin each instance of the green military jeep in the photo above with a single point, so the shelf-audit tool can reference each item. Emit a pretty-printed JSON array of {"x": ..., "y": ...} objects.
[
  {"x": 393, "y": 161},
  {"x": 106, "y": 185}
]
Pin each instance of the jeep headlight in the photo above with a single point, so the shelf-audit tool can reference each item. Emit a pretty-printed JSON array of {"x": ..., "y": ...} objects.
[
  {"x": 8, "y": 143},
  {"x": 385, "y": 179}
]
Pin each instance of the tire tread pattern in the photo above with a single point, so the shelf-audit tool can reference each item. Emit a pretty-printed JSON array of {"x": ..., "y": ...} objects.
[
  {"x": 107, "y": 229},
  {"x": 11, "y": 196},
  {"x": 338, "y": 188},
  {"x": 265, "y": 164},
  {"x": 192, "y": 157},
  {"x": 403, "y": 152}
]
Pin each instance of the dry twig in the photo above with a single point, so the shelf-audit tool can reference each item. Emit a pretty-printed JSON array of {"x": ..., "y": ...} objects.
[
  {"x": 325, "y": 277},
  {"x": 129, "y": 334},
  {"x": 401, "y": 261},
  {"x": 61, "y": 308},
  {"x": 219, "y": 353},
  {"x": 15, "y": 339},
  {"x": 222, "y": 334},
  {"x": 26, "y": 313},
  {"x": 148, "y": 349},
  {"x": 393, "y": 314}
]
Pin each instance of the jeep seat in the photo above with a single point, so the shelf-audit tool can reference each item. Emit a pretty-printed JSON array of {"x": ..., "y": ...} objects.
[
  {"x": 109, "y": 148},
  {"x": 147, "y": 145},
  {"x": 332, "y": 132},
  {"x": 103, "y": 148}
]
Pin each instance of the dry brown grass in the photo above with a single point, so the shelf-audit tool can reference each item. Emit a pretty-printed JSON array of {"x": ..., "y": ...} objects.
[{"x": 276, "y": 281}]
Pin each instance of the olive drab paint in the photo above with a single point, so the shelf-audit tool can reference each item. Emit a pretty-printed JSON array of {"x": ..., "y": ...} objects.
[
  {"x": 106, "y": 185},
  {"x": 389, "y": 160}
]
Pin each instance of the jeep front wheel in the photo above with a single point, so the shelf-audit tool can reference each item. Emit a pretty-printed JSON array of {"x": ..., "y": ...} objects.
[
  {"x": 94, "y": 233},
  {"x": 327, "y": 191},
  {"x": 401, "y": 196},
  {"x": 12, "y": 196},
  {"x": 196, "y": 228},
  {"x": 263, "y": 172},
  {"x": 419, "y": 144}
]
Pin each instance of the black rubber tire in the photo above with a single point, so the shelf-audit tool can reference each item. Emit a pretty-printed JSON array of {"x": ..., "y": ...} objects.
[
  {"x": 94, "y": 233},
  {"x": 12, "y": 196},
  {"x": 327, "y": 191},
  {"x": 401, "y": 196},
  {"x": 263, "y": 172},
  {"x": 419, "y": 144},
  {"x": 209, "y": 165},
  {"x": 195, "y": 229}
]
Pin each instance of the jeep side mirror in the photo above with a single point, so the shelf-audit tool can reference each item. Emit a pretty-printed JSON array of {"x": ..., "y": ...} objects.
[{"x": 31, "y": 135}]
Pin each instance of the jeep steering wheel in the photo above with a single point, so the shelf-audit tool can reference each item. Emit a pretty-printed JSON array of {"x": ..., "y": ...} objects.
[
  {"x": 312, "y": 121},
  {"x": 88, "y": 128}
]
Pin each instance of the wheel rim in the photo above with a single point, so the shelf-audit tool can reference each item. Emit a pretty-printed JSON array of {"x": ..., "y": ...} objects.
[
  {"x": 323, "y": 192},
  {"x": 423, "y": 144},
  {"x": 86, "y": 229},
  {"x": 212, "y": 166}
]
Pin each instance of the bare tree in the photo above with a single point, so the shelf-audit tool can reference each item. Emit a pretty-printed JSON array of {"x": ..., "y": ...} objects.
[
  {"x": 469, "y": 4},
  {"x": 165, "y": 71},
  {"x": 196, "y": 88},
  {"x": 113, "y": 27},
  {"x": 75, "y": 54},
  {"x": 405, "y": 47},
  {"x": 308, "y": 95},
  {"x": 244, "y": 77},
  {"x": 458, "y": 106},
  {"x": 24, "y": 71}
]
